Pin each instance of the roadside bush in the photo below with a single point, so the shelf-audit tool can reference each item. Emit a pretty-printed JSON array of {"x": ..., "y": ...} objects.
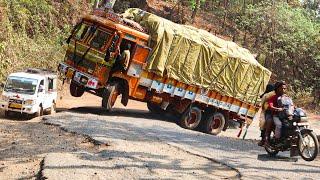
[{"x": 31, "y": 32}]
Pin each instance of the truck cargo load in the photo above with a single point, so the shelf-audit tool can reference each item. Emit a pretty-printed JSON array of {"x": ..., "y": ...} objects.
[{"x": 194, "y": 56}]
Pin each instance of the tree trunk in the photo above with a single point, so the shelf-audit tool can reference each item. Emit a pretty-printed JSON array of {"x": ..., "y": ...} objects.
[
  {"x": 195, "y": 10},
  {"x": 108, "y": 3},
  {"x": 244, "y": 6},
  {"x": 225, "y": 14},
  {"x": 183, "y": 4}
]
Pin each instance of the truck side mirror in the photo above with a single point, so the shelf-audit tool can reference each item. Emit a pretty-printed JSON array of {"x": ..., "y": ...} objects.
[
  {"x": 114, "y": 42},
  {"x": 107, "y": 57},
  {"x": 116, "y": 38},
  {"x": 112, "y": 47}
]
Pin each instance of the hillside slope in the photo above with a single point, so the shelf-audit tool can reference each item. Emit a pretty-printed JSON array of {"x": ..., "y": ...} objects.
[{"x": 31, "y": 32}]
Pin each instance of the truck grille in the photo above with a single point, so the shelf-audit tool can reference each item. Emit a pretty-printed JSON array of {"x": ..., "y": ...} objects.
[
  {"x": 82, "y": 62},
  {"x": 15, "y": 101}
]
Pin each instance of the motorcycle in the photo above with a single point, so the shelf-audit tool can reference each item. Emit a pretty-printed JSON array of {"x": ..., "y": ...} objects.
[{"x": 296, "y": 136}]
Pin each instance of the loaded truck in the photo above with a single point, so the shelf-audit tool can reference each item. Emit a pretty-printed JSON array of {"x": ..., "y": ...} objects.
[{"x": 204, "y": 80}]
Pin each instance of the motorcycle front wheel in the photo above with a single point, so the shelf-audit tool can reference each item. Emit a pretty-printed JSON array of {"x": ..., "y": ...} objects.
[{"x": 308, "y": 146}]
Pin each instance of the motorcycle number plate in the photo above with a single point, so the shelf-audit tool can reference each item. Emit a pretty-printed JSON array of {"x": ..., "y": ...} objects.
[{"x": 303, "y": 124}]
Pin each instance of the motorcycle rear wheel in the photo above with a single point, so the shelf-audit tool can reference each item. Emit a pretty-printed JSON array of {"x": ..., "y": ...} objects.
[
  {"x": 310, "y": 142},
  {"x": 270, "y": 150}
]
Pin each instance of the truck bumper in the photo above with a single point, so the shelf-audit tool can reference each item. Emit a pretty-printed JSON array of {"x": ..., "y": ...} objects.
[
  {"x": 28, "y": 109},
  {"x": 81, "y": 78}
]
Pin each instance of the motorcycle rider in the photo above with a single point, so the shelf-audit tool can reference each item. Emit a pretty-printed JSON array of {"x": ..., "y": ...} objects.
[
  {"x": 275, "y": 107},
  {"x": 266, "y": 120}
]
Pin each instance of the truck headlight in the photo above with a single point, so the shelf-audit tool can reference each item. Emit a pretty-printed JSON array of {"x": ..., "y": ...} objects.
[
  {"x": 29, "y": 102},
  {"x": 90, "y": 71}
]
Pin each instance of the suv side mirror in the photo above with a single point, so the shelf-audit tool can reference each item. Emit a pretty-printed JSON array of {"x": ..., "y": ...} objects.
[{"x": 41, "y": 88}]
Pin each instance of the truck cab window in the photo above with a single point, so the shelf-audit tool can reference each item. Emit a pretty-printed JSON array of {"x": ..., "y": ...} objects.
[
  {"x": 41, "y": 86},
  {"x": 81, "y": 32},
  {"x": 99, "y": 39},
  {"x": 50, "y": 84},
  {"x": 124, "y": 44}
]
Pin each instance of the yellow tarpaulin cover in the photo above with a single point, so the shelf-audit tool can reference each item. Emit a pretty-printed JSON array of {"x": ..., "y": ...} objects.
[{"x": 197, "y": 57}]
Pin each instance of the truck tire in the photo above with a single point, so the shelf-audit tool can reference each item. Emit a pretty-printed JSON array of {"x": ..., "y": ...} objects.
[
  {"x": 154, "y": 108},
  {"x": 7, "y": 114},
  {"x": 52, "y": 109},
  {"x": 191, "y": 118},
  {"x": 40, "y": 112},
  {"x": 76, "y": 90},
  {"x": 109, "y": 96},
  {"x": 214, "y": 123}
]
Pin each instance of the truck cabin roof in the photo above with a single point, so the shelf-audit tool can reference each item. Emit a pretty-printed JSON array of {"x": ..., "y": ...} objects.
[{"x": 103, "y": 21}]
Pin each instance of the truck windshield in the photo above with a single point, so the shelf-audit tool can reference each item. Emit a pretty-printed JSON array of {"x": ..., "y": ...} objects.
[
  {"x": 99, "y": 39},
  {"x": 21, "y": 85},
  {"x": 81, "y": 31}
]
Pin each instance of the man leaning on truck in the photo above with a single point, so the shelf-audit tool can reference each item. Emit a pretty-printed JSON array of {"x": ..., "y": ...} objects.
[
  {"x": 125, "y": 57},
  {"x": 122, "y": 61}
]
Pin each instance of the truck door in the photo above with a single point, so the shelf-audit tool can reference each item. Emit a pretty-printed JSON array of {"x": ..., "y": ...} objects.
[
  {"x": 138, "y": 60},
  {"x": 41, "y": 94},
  {"x": 51, "y": 93}
]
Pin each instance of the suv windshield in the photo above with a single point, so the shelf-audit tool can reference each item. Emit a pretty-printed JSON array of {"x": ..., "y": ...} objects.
[{"x": 21, "y": 85}]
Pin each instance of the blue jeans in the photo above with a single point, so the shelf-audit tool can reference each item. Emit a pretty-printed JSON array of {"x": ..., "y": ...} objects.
[{"x": 278, "y": 124}]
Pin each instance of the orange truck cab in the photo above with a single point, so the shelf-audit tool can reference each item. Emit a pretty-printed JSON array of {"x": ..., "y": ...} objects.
[{"x": 94, "y": 49}]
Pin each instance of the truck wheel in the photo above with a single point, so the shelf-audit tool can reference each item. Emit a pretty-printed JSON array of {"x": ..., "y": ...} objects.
[
  {"x": 109, "y": 96},
  {"x": 191, "y": 118},
  {"x": 154, "y": 108},
  {"x": 214, "y": 123},
  {"x": 6, "y": 114},
  {"x": 52, "y": 108},
  {"x": 40, "y": 112},
  {"x": 76, "y": 90}
]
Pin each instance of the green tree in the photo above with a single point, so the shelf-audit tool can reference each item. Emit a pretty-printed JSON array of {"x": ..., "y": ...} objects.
[{"x": 288, "y": 37}]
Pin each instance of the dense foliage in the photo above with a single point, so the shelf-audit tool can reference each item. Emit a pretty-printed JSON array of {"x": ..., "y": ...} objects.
[{"x": 31, "y": 32}]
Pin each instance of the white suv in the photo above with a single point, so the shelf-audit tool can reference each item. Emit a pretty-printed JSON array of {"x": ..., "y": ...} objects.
[{"x": 32, "y": 92}]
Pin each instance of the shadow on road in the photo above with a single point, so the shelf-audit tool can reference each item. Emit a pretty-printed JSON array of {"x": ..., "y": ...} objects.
[
  {"x": 266, "y": 157},
  {"x": 15, "y": 116},
  {"x": 133, "y": 113}
]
